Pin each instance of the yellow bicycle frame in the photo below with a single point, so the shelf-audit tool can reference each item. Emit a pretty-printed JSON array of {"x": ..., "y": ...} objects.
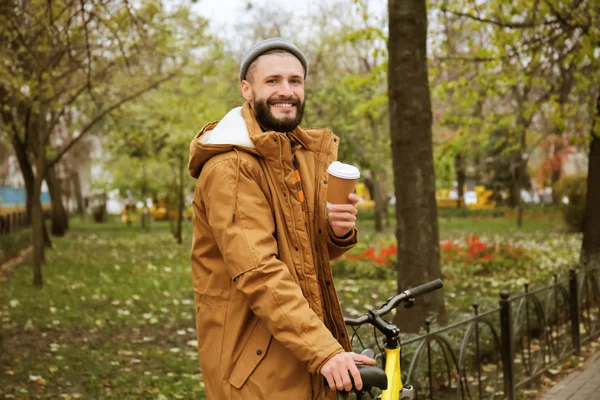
[{"x": 394, "y": 377}]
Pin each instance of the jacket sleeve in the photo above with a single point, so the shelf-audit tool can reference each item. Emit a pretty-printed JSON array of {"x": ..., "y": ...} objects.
[
  {"x": 250, "y": 251},
  {"x": 338, "y": 246}
]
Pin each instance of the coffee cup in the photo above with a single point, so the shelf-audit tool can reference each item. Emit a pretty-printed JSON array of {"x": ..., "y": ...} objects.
[{"x": 342, "y": 181}]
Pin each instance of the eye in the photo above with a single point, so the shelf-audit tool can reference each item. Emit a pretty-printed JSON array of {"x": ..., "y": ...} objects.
[{"x": 272, "y": 81}]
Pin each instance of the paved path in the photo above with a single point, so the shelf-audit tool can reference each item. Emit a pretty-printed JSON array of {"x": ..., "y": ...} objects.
[{"x": 580, "y": 385}]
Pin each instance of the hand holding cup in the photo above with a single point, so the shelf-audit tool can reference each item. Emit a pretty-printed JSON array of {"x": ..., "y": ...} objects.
[{"x": 342, "y": 217}]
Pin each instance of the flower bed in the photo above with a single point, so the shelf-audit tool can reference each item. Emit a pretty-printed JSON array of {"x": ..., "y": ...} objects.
[
  {"x": 484, "y": 256},
  {"x": 516, "y": 258}
]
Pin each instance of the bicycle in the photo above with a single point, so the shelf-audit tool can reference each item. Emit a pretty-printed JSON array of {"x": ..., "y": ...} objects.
[{"x": 390, "y": 379}]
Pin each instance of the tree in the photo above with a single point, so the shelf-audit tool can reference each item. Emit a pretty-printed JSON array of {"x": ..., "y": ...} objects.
[
  {"x": 149, "y": 139},
  {"x": 412, "y": 155},
  {"x": 60, "y": 218},
  {"x": 531, "y": 60},
  {"x": 591, "y": 226},
  {"x": 139, "y": 140},
  {"x": 86, "y": 56},
  {"x": 347, "y": 92}
]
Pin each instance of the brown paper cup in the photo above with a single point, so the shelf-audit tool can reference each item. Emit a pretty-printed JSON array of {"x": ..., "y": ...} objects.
[{"x": 341, "y": 182}]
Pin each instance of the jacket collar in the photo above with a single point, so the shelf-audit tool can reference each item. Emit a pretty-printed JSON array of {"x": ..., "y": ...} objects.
[
  {"x": 255, "y": 131},
  {"x": 239, "y": 130}
]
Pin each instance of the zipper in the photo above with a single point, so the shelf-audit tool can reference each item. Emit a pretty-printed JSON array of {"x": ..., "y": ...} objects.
[
  {"x": 327, "y": 307},
  {"x": 307, "y": 290}
]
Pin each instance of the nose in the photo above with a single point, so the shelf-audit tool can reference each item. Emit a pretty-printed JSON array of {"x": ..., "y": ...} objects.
[{"x": 285, "y": 90}]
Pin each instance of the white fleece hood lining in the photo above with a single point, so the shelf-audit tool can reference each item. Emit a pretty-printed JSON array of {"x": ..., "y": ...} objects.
[{"x": 231, "y": 129}]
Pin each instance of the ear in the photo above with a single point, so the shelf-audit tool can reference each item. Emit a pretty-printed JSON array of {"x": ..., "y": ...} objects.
[{"x": 247, "y": 90}]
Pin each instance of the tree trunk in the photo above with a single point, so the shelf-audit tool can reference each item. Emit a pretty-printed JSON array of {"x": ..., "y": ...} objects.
[
  {"x": 521, "y": 175},
  {"x": 374, "y": 187},
  {"x": 377, "y": 198},
  {"x": 29, "y": 179},
  {"x": 517, "y": 191},
  {"x": 60, "y": 218},
  {"x": 412, "y": 154},
  {"x": 461, "y": 177},
  {"x": 376, "y": 175},
  {"x": 180, "y": 205},
  {"x": 513, "y": 198},
  {"x": 386, "y": 212},
  {"x": 47, "y": 241},
  {"x": 144, "y": 195},
  {"x": 27, "y": 172},
  {"x": 37, "y": 233},
  {"x": 78, "y": 194},
  {"x": 590, "y": 246}
]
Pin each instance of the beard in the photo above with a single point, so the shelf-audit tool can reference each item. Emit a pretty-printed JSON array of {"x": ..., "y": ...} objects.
[{"x": 268, "y": 121}]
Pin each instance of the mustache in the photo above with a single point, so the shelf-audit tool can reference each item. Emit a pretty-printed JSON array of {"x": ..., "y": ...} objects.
[{"x": 293, "y": 99}]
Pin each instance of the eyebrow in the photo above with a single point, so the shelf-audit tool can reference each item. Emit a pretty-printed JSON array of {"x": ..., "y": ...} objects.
[{"x": 281, "y": 76}]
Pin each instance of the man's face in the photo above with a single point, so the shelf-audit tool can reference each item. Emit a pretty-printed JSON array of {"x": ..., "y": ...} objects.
[{"x": 275, "y": 89}]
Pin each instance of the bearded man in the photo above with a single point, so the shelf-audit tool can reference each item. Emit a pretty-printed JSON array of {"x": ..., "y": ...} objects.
[{"x": 268, "y": 318}]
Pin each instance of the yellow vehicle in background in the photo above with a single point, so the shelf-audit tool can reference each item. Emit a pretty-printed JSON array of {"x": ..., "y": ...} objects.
[
  {"x": 158, "y": 212},
  {"x": 484, "y": 199},
  {"x": 363, "y": 192},
  {"x": 478, "y": 199},
  {"x": 445, "y": 200}
]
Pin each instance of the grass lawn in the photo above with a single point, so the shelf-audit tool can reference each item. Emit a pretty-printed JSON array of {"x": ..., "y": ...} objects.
[{"x": 115, "y": 318}]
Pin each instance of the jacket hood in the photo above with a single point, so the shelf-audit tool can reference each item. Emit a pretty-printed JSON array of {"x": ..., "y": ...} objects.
[
  {"x": 239, "y": 131},
  {"x": 218, "y": 137}
]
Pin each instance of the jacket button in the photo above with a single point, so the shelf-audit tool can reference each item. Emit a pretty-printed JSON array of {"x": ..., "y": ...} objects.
[
  {"x": 258, "y": 352},
  {"x": 328, "y": 283},
  {"x": 297, "y": 249},
  {"x": 343, "y": 335},
  {"x": 275, "y": 139},
  {"x": 320, "y": 231},
  {"x": 325, "y": 182},
  {"x": 334, "y": 139}
]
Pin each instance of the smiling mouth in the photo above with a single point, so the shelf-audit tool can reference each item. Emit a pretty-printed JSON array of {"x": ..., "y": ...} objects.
[{"x": 282, "y": 105}]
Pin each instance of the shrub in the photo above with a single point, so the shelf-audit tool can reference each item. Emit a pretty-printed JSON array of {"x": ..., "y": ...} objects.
[
  {"x": 12, "y": 244},
  {"x": 574, "y": 188},
  {"x": 474, "y": 255},
  {"x": 483, "y": 257},
  {"x": 371, "y": 262}
]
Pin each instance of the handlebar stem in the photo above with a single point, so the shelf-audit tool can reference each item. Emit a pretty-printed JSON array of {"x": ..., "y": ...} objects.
[{"x": 391, "y": 331}]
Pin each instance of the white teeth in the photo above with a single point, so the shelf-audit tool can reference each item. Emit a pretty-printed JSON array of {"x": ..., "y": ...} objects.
[{"x": 283, "y": 105}]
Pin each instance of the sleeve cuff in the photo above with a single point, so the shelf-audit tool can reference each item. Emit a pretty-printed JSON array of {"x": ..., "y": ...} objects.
[
  {"x": 350, "y": 239},
  {"x": 328, "y": 358}
]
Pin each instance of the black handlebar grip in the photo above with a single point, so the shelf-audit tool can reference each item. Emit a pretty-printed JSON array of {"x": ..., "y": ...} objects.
[{"x": 426, "y": 288}]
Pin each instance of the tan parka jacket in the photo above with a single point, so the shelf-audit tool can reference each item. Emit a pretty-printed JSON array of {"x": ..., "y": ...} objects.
[{"x": 267, "y": 314}]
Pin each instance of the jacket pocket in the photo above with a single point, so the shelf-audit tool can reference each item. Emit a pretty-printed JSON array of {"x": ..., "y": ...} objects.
[{"x": 254, "y": 352}]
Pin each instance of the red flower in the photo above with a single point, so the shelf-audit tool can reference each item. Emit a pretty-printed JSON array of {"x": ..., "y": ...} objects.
[{"x": 369, "y": 253}]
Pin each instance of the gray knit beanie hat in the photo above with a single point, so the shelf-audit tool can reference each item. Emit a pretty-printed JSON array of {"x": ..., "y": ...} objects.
[{"x": 267, "y": 45}]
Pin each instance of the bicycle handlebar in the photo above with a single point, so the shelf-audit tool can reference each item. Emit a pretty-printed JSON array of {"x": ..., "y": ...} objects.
[
  {"x": 393, "y": 302},
  {"x": 426, "y": 288}
]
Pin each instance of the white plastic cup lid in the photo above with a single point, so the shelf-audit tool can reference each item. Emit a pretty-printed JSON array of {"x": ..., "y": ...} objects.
[{"x": 344, "y": 171}]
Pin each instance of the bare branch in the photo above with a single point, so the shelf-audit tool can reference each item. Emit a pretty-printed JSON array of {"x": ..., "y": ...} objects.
[
  {"x": 21, "y": 38},
  {"x": 87, "y": 128},
  {"x": 469, "y": 59},
  {"x": 497, "y": 22},
  {"x": 88, "y": 51},
  {"x": 116, "y": 36},
  {"x": 59, "y": 115}
]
